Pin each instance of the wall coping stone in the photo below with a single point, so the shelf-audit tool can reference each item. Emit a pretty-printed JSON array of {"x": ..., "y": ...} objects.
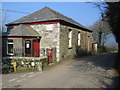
[{"x": 25, "y": 58}]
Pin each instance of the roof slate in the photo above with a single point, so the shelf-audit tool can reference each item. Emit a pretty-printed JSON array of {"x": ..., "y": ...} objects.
[
  {"x": 22, "y": 30},
  {"x": 45, "y": 14}
]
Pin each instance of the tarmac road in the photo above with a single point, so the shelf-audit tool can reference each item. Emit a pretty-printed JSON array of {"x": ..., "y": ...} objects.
[{"x": 85, "y": 72}]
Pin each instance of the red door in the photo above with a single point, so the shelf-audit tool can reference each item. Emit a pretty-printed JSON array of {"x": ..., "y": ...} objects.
[
  {"x": 93, "y": 48},
  {"x": 36, "y": 48},
  {"x": 50, "y": 53}
]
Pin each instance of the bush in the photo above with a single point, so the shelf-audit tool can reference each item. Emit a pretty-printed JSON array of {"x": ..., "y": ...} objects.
[
  {"x": 44, "y": 63},
  {"x": 80, "y": 52},
  {"x": 7, "y": 66},
  {"x": 102, "y": 49}
]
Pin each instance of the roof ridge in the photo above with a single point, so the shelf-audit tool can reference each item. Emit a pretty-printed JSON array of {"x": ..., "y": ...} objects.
[
  {"x": 58, "y": 13},
  {"x": 63, "y": 15},
  {"x": 49, "y": 9},
  {"x": 46, "y": 14}
]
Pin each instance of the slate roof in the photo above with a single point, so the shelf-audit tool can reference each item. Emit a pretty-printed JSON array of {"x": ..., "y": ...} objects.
[
  {"x": 45, "y": 14},
  {"x": 22, "y": 30}
]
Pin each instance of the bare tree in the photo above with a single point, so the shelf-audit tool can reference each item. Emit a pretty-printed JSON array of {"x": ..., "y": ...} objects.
[
  {"x": 111, "y": 13},
  {"x": 101, "y": 31}
]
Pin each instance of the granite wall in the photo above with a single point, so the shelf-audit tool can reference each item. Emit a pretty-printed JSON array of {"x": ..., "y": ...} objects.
[
  {"x": 70, "y": 52},
  {"x": 49, "y": 37}
]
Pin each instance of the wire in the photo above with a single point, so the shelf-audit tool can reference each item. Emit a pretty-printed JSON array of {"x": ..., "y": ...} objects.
[{"x": 15, "y": 11}]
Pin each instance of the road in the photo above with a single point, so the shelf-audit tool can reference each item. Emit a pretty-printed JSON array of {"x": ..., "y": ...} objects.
[{"x": 85, "y": 72}]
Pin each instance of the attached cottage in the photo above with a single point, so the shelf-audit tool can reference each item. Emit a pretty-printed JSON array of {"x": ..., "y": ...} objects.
[{"x": 32, "y": 35}]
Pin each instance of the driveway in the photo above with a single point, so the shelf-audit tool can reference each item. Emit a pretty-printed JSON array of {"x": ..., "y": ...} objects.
[{"x": 86, "y": 72}]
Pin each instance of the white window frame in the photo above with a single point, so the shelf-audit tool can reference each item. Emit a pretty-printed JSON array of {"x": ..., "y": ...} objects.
[
  {"x": 69, "y": 38},
  {"x": 79, "y": 38},
  {"x": 7, "y": 48}
]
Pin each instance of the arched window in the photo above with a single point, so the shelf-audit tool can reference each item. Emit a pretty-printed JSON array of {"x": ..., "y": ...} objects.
[
  {"x": 79, "y": 38},
  {"x": 69, "y": 38},
  {"x": 27, "y": 47}
]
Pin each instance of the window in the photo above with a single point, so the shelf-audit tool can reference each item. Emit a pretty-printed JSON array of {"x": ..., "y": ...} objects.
[
  {"x": 10, "y": 47},
  {"x": 88, "y": 43},
  {"x": 79, "y": 38},
  {"x": 70, "y": 38},
  {"x": 27, "y": 47}
]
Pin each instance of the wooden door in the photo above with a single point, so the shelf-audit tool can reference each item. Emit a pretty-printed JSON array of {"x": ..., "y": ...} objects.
[
  {"x": 50, "y": 55},
  {"x": 36, "y": 48}
]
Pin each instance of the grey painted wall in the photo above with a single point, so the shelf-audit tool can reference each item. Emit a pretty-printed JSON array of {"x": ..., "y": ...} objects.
[{"x": 17, "y": 46}]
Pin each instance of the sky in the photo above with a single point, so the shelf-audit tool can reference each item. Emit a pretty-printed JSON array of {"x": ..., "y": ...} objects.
[{"x": 84, "y": 13}]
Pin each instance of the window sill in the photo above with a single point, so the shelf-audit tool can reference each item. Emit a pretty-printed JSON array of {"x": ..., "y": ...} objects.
[
  {"x": 70, "y": 47},
  {"x": 10, "y": 54}
]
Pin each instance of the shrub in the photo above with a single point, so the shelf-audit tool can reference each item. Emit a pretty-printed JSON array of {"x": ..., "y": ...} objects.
[{"x": 7, "y": 66}]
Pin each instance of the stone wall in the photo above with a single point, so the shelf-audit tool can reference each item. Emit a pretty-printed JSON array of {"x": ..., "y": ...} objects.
[
  {"x": 65, "y": 51},
  {"x": 56, "y": 36},
  {"x": 85, "y": 42},
  {"x": 50, "y": 36},
  {"x": 91, "y": 40},
  {"x": 83, "y": 39}
]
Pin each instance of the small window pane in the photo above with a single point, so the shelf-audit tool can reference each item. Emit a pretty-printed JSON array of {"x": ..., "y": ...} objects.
[
  {"x": 79, "y": 38},
  {"x": 70, "y": 38},
  {"x": 27, "y": 47},
  {"x": 10, "y": 48}
]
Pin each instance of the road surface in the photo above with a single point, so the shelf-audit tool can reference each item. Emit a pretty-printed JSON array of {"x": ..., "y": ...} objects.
[{"x": 85, "y": 72}]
